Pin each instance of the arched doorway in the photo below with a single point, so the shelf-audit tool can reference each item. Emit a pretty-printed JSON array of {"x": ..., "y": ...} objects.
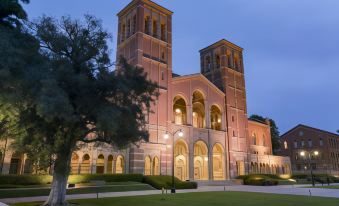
[
  {"x": 109, "y": 169},
  {"x": 147, "y": 166},
  {"x": 200, "y": 161},
  {"x": 181, "y": 160},
  {"x": 120, "y": 165},
  {"x": 179, "y": 110},
  {"x": 216, "y": 118},
  {"x": 75, "y": 164},
  {"x": 156, "y": 166},
  {"x": 85, "y": 165},
  {"x": 218, "y": 162},
  {"x": 100, "y": 164},
  {"x": 198, "y": 103}
]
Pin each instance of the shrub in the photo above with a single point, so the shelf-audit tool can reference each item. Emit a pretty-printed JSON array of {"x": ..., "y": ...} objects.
[
  {"x": 160, "y": 182},
  {"x": 25, "y": 179},
  {"x": 261, "y": 180}
]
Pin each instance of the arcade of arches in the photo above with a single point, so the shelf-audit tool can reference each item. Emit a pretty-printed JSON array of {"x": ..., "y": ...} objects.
[{"x": 101, "y": 166}]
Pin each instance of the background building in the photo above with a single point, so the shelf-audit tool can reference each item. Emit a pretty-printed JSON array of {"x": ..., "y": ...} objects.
[
  {"x": 304, "y": 138},
  {"x": 218, "y": 142}
]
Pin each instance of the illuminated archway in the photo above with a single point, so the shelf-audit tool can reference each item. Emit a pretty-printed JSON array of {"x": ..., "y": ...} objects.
[
  {"x": 75, "y": 164},
  {"x": 85, "y": 165},
  {"x": 100, "y": 164},
  {"x": 200, "y": 161},
  {"x": 179, "y": 110},
  {"x": 109, "y": 169},
  {"x": 181, "y": 160},
  {"x": 147, "y": 166},
  {"x": 198, "y": 103},
  {"x": 216, "y": 118},
  {"x": 120, "y": 165},
  {"x": 218, "y": 162},
  {"x": 156, "y": 166}
]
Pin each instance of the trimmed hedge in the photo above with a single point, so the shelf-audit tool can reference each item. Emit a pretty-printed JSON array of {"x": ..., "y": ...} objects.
[
  {"x": 261, "y": 180},
  {"x": 165, "y": 182},
  {"x": 157, "y": 182},
  {"x": 322, "y": 178},
  {"x": 74, "y": 179}
]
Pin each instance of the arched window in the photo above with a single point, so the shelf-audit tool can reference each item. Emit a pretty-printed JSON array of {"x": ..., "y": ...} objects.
[
  {"x": 156, "y": 166},
  {"x": 123, "y": 32},
  {"x": 163, "y": 32},
  {"x": 147, "y": 24},
  {"x": 85, "y": 165},
  {"x": 285, "y": 145},
  {"x": 179, "y": 110},
  {"x": 198, "y": 110},
  {"x": 75, "y": 164},
  {"x": 120, "y": 165},
  {"x": 147, "y": 166},
  {"x": 100, "y": 164},
  {"x": 208, "y": 63},
  {"x": 215, "y": 118},
  {"x": 254, "y": 139},
  {"x": 128, "y": 28},
  {"x": 134, "y": 24},
  {"x": 236, "y": 63},
  {"x": 217, "y": 61},
  {"x": 109, "y": 169},
  {"x": 155, "y": 28}
]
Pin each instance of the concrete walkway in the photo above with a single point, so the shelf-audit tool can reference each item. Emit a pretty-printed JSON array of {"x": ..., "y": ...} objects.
[{"x": 288, "y": 190}]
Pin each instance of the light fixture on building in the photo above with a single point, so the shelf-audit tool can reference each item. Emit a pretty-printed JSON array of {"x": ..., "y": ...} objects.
[
  {"x": 316, "y": 153},
  {"x": 302, "y": 153},
  {"x": 178, "y": 111},
  {"x": 180, "y": 134},
  {"x": 219, "y": 120},
  {"x": 166, "y": 136},
  {"x": 206, "y": 159}
]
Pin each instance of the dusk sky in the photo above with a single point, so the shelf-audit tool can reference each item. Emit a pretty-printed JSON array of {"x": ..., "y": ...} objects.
[{"x": 291, "y": 48}]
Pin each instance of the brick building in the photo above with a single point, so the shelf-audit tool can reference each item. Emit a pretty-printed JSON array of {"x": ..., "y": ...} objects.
[
  {"x": 218, "y": 142},
  {"x": 307, "y": 139}
]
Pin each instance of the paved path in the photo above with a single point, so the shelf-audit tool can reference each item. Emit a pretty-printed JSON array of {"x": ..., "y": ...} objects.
[{"x": 288, "y": 190}]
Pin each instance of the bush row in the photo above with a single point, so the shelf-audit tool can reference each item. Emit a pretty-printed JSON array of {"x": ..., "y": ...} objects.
[
  {"x": 165, "y": 182},
  {"x": 261, "y": 180},
  {"x": 157, "y": 182},
  {"x": 318, "y": 178}
]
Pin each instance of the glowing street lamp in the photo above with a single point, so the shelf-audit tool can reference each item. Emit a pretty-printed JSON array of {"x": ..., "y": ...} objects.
[
  {"x": 167, "y": 136},
  {"x": 309, "y": 155}
]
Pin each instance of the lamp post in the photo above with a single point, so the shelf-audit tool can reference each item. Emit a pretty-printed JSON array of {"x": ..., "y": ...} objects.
[
  {"x": 167, "y": 136},
  {"x": 308, "y": 155}
]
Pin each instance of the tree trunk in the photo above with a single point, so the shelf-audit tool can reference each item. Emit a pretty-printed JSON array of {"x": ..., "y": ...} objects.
[{"x": 57, "y": 195}]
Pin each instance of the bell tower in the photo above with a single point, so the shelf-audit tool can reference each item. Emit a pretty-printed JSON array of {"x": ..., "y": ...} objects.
[
  {"x": 222, "y": 64},
  {"x": 145, "y": 40}
]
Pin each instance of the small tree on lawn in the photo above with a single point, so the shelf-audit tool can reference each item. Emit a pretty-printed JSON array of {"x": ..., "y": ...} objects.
[{"x": 71, "y": 95}]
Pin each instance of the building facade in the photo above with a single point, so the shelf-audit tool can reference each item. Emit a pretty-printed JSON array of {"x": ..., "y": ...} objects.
[
  {"x": 307, "y": 139},
  {"x": 217, "y": 142}
]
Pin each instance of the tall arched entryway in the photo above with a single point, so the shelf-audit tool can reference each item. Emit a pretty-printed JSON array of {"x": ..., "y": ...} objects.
[
  {"x": 200, "y": 161},
  {"x": 147, "y": 166},
  {"x": 75, "y": 164},
  {"x": 120, "y": 165},
  {"x": 179, "y": 110},
  {"x": 156, "y": 166},
  {"x": 109, "y": 169},
  {"x": 198, "y": 114},
  {"x": 181, "y": 160},
  {"x": 216, "y": 118},
  {"x": 85, "y": 165},
  {"x": 218, "y": 162}
]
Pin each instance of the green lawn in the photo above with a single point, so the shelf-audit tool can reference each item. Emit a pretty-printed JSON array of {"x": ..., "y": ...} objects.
[
  {"x": 209, "y": 198},
  {"x": 111, "y": 187}
]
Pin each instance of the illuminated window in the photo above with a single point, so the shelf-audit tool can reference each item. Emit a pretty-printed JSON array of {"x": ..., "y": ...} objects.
[
  {"x": 179, "y": 110},
  {"x": 198, "y": 114},
  {"x": 285, "y": 145},
  {"x": 215, "y": 118}
]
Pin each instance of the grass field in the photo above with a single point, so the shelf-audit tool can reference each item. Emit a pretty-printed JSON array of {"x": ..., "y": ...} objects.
[
  {"x": 328, "y": 187},
  {"x": 112, "y": 187},
  {"x": 206, "y": 199}
]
